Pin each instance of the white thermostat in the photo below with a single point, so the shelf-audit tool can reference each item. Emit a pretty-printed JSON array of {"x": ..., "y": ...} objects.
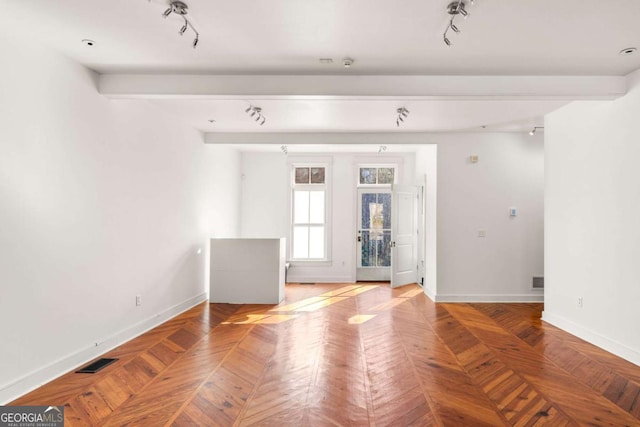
[{"x": 513, "y": 212}]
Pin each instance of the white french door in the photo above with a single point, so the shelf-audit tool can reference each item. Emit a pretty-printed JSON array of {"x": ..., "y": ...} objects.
[
  {"x": 404, "y": 235},
  {"x": 374, "y": 235}
]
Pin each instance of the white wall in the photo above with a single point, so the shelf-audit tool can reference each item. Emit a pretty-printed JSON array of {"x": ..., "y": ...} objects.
[
  {"x": 100, "y": 201},
  {"x": 264, "y": 202},
  {"x": 265, "y": 206},
  {"x": 473, "y": 197},
  {"x": 592, "y": 211}
]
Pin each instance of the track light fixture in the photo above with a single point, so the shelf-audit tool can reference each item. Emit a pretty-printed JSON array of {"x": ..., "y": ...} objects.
[
  {"x": 180, "y": 8},
  {"x": 533, "y": 131},
  {"x": 256, "y": 114},
  {"x": 455, "y": 8},
  {"x": 382, "y": 149},
  {"x": 402, "y": 114},
  {"x": 284, "y": 149}
]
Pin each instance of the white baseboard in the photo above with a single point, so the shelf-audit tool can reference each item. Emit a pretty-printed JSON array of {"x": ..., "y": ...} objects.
[
  {"x": 319, "y": 279},
  {"x": 429, "y": 294},
  {"x": 35, "y": 379},
  {"x": 612, "y": 346},
  {"x": 488, "y": 298}
]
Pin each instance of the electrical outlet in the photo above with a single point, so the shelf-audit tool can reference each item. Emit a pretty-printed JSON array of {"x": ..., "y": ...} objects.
[
  {"x": 580, "y": 302},
  {"x": 138, "y": 300}
]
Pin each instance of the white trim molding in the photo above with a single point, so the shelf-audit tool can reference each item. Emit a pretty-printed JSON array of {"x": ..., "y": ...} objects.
[
  {"x": 504, "y": 298},
  {"x": 612, "y": 346}
]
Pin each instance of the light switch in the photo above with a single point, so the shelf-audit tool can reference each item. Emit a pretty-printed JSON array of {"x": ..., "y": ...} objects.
[{"x": 513, "y": 212}]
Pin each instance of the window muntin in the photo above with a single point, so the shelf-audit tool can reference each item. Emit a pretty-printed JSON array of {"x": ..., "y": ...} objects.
[{"x": 377, "y": 175}]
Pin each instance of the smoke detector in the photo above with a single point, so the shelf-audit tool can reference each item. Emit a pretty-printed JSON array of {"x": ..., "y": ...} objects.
[{"x": 347, "y": 62}]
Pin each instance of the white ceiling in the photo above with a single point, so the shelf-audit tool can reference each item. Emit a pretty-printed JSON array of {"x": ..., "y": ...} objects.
[{"x": 287, "y": 37}]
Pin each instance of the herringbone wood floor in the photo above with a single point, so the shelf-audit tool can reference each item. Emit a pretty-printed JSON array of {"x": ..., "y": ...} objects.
[{"x": 353, "y": 355}]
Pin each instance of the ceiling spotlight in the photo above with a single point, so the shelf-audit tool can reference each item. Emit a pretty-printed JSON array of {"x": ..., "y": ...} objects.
[
  {"x": 347, "y": 62},
  {"x": 256, "y": 114},
  {"x": 402, "y": 113},
  {"x": 455, "y": 9},
  {"x": 181, "y": 8},
  {"x": 627, "y": 51},
  {"x": 382, "y": 149},
  {"x": 284, "y": 149},
  {"x": 88, "y": 42},
  {"x": 533, "y": 131}
]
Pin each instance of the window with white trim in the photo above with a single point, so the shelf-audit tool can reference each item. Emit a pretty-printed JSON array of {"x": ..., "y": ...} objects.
[
  {"x": 309, "y": 212},
  {"x": 376, "y": 175}
]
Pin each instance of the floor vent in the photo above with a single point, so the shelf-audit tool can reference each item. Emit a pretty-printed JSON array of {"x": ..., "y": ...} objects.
[
  {"x": 538, "y": 283},
  {"x": 94, "y": 367}
]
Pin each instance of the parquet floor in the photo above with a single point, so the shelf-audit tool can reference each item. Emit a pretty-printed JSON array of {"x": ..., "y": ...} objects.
[{"x": 353, "y": 355}]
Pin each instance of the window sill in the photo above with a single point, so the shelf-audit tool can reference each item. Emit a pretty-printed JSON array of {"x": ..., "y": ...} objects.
[{"x": 310, "y": 263}]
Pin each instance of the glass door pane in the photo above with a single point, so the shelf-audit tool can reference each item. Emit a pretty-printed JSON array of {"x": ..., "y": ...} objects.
[{"x": 375, "y": 229}]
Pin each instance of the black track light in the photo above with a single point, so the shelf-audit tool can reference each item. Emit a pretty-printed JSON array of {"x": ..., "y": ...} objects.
[
  {"x": 181, "y": 9},
  {"x": 402, "y": 114},
  {"x": 256, "y": 114},
  {"x": 454, "y": 9}
]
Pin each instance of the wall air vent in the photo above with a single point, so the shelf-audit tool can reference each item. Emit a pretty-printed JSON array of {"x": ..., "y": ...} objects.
[
  {"x": 94, "y": 367},
  {"x": 538, "y": 282}
]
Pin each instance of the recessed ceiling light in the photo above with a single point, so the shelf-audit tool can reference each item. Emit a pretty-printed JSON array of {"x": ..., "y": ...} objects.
[
  {"x": 88, "y": 42},
  {"x": 212, "y": 120},
  {"x": 628, "y": 51}
]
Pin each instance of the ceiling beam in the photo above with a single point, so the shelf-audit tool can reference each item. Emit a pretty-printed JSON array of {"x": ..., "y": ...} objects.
[
  {"x": 324, "y": 138},
  {"x": 141, "y": 86}
]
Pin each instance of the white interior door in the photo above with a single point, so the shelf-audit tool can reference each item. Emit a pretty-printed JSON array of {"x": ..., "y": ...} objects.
[
  {"x": 374, "y": 235},
  {"x": 404, "y": 235}
]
